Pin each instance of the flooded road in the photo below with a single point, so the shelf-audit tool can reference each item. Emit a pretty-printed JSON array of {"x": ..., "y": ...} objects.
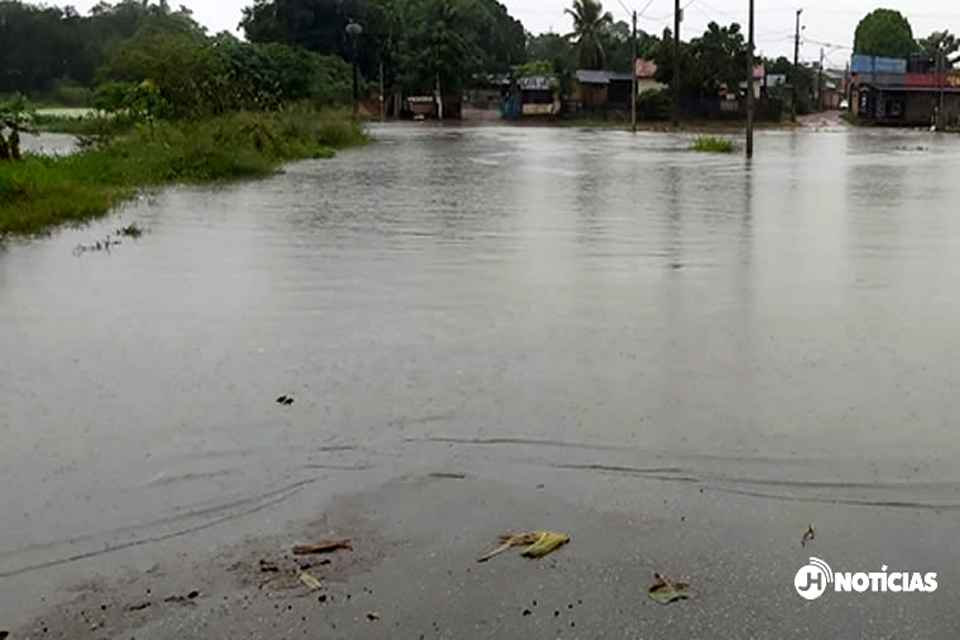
[{"x": 534, "y": 297}]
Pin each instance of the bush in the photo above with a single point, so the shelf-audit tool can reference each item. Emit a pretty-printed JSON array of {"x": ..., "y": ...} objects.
[
  {"x": 654, "y": 104},
  {"x": 713, "y": 144}
]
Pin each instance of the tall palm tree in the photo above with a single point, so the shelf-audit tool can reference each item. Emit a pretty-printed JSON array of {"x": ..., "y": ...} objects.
[{"x": 590, "y": 27}]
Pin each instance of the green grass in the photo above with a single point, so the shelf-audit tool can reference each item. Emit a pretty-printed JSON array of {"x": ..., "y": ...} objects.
[
  {"x": 713, "y": 144},
  {"x": 42, "y": 192}
]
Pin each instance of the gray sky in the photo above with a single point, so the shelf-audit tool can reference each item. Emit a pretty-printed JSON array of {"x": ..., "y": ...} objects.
[{"x": 826, "y": 22}]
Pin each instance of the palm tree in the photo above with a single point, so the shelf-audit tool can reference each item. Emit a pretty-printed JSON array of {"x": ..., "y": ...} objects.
[
  {"x": 941, "y": 43},
  {"x": 590, "y": 25}
]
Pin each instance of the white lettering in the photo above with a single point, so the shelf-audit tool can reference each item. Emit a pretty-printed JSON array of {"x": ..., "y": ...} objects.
[
  {"x": 931, "y": 580},
  {"x": 861, "y": 582},
  {"x": 895, "y": 586},
  {"x": 842, "y": 582}
]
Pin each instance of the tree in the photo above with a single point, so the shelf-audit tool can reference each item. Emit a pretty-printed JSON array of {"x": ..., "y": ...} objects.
[
  {"x": 884, "y": 32},
  {"x": 590, "y": 28},
  {"x": 555, "y": 48},
  {"x": 941, "y": 43}
]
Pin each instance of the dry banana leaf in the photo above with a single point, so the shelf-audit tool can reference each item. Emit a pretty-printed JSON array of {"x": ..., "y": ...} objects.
[
  {"x": 309, "y": 581},
  {"x": 547, "y": 542},
  {"x": 665, "y": 590},
  {"x": 509, "y": 540},
  {"x": 321, "y": 547},
  {"x": 807, "y": 536}
]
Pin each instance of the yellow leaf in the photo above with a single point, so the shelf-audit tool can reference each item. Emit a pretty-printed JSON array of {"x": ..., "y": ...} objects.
[
  {"x": 309, "y": 581},
  {"x": 547, "y": 542}
]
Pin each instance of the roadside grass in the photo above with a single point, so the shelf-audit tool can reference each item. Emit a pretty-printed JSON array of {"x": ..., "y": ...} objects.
[
  {"x": 713, "y": 144},
  {"x": 42, "y": 192}
]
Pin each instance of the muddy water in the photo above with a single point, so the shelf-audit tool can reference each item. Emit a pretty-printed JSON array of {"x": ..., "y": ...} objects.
[{"x": 540, "y": 296}]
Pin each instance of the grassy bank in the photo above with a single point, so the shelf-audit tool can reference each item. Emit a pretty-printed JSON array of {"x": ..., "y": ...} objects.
[{"x": 39, "y": 193}]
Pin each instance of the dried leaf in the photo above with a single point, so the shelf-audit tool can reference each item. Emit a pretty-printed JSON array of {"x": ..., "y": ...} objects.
[
  {"x": 807, "y": 536},
  {"x": 665, "y": 590},
  {"x": 321, "y": 547},
  {"x": 509, "y": 540},
  {"x": 309, "y": 581},
  {"x": 547, "y": 542}
]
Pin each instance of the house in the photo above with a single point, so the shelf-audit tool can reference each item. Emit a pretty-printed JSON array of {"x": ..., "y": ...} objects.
[
  {"x": 647, "y": 76},
  {"x": 539, "y": 96},
  {"x": 911, "y": 99},
  {"x": 884, "y": 91},
  {"x": 599, "y": 91}
]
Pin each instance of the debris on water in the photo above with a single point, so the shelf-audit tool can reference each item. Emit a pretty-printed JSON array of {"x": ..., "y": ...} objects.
[
  {"x": 373, "y": 615},
  {"x": 285, "y": 400},
  {"x": 548, "y": 542},
  {"x": 4, "y": 635},
  {"x": 268, "y": 567},
  {"x": 187, "y": 599},
  {"x": 139, "y": 607},
  {"x": 808, "y": 535},
  {"x": 538, "y": 543},
  {"x": 448, "y": 475},
  {"x": 322, "y": 547},
  {"x": 309, "y": 581},
  {"x": 665, "y": 590},
  {"x": 132, "y": 230},
  {"x": 99, "y": 245},
  {"x": 527, "y": 612}
]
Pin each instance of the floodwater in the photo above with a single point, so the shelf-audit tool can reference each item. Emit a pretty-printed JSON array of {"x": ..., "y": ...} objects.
[{"x": 785, "y": 328}]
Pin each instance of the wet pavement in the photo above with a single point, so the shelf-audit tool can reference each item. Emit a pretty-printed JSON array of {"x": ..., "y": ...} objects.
[{"x": 612, "y": 317}]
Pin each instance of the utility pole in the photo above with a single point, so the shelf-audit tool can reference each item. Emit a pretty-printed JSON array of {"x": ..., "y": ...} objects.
[
  {"x": 633, "y": 98},
  {"x": 677, "y": 18},
  {"x": 383, "y": 112},
  {"x": 940, "y": 80},
  {"x": 750, "y": 83},
  {"x": 796, "y": 65},
  {"x": 820, "y": 83}
]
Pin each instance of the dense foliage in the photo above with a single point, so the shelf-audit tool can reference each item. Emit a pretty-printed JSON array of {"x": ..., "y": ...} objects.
[
  {"x": 884, "y": 32},
  {"x": 941, "y": 43},
  {"x": 416, "y": 41}
]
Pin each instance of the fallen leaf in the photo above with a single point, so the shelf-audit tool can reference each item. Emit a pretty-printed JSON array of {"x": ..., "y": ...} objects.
[
  {"x": 547, "y": 542},
  {"x": 665, "y": 590},
  {"x": 509, "y": 540},
  {"x": 321, "y": 547},
  {"x": 309, "y": 581},
  {"x": 807, "y": 536}
]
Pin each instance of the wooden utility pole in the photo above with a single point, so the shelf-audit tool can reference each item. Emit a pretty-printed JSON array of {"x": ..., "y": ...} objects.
[
  {"x": 383, "y": 98},
  {"x": 796, "y": 66},
  {"x": 751, "y": 100},
  {"x": 941, "y": 76},
  {"x": 677, "y": 19},
  {"x": 633, "y": 98},
  {"x": 820, "y": 83}
]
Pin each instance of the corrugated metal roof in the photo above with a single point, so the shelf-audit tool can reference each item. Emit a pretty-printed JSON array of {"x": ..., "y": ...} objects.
[{"x": 595, "y": 76}]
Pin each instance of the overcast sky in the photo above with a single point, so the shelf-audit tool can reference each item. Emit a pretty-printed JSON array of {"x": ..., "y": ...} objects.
[{"x": 832, "y": 23}]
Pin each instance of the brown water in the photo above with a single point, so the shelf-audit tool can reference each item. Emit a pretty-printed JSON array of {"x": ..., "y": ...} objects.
[{"x": 784, "y": 328}]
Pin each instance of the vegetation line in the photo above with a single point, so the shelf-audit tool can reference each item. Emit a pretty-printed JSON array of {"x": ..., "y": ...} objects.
[{"x": 39, "y": 193}]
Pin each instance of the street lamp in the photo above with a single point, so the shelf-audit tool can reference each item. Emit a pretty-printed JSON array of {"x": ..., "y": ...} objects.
[{"x": 354, "y": 29}]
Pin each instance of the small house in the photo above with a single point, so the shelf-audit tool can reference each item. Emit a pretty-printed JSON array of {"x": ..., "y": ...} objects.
[
  {"x": 598, "y": 91},
  {"x": 539, "y": 96},
  {"x": 647, "y": 76}
]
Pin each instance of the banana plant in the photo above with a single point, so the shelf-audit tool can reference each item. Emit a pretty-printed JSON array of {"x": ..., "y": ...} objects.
[{"x": 16, "y": 116}]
